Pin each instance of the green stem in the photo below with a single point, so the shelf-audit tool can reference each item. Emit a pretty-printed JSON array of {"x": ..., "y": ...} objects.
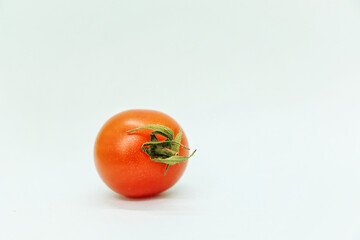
[{"x": 163, "y": 151}]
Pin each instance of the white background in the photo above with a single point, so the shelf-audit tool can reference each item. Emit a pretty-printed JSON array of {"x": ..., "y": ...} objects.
[{"x": 267, "y": 91}]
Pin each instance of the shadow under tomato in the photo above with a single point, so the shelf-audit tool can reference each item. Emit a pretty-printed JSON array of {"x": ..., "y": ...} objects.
[
  {"x": 162, "y": 195},
  {"x": 169, "y": 202}
]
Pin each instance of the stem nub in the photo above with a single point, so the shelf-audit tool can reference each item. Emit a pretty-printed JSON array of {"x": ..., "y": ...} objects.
[{"x": 163, "y": 151}]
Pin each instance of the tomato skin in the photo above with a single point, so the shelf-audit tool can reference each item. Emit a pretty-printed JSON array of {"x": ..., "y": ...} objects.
[{"x": 121, "y": 163}]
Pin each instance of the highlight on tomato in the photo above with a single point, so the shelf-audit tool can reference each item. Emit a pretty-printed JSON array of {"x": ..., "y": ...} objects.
[{"x": 141, "y": 153}]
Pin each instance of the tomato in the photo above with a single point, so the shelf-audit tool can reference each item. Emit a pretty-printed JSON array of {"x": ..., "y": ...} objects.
[{"x": 126, "y": 165}]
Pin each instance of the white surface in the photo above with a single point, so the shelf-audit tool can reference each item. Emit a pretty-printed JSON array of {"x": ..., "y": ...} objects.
[{"x": 267, "y": 91}]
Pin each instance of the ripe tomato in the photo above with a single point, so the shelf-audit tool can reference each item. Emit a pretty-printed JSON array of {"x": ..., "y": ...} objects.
[{"x": 124, "y": 165}]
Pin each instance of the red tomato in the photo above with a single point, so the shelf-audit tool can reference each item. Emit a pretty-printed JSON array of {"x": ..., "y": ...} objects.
[{"x": 124, "y": 166}]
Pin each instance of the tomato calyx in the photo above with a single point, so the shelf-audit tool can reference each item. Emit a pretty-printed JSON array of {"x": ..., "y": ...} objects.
[{"x": 166, "y": 151}]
